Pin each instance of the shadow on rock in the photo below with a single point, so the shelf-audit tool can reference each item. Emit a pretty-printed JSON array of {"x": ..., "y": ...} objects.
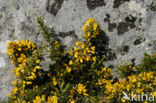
[{"x": 101, "y": 42}]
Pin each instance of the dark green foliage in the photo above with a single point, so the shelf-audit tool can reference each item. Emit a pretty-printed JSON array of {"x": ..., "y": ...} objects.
[
  {"x": 125, "y": 70},
  {"x": 148, "y": 63}
]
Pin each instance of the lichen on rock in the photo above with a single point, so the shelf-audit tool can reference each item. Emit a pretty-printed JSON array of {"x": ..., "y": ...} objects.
[{"x": 128, "y": 28}]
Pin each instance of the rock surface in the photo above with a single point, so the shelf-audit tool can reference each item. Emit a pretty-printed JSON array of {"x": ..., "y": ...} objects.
[{"x": 128, "y": 25}]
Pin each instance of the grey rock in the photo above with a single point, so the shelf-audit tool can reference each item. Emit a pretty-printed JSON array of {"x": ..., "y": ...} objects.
[{"x": 124, "y": 22}]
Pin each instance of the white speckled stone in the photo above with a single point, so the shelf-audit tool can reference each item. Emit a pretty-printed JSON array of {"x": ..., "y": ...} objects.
[
  {"x": 18, "y": 21},
  {"x": 3, "y": 47},
  {"x": 2, "y": 62}
]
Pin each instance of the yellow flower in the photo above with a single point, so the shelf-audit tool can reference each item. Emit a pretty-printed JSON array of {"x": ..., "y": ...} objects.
[
  {"x": 154, "y": 94},
  {"x": 71, "y": 53},
  {"x": 68, "y": 69},
  {"x": 22, "y": 42},
  {"x": 9, "y": 95},
  {"x": 89, "y": 34},
  {"x": 54, "y": 81},
  {"x": 19, "y": 49},
  {"x": 88, "y": 58},
  {"x": 43, "y": 97},
  {"x": 37, "y": 100},
  {"x": 28, "y": 83},
  {"x": 93, "y": 47},
  {"x": 38, "y": 61},
  {"x": 75, "y": 48},
  {"x": 84, "y": 29},
  {"x": 91, "y": 20},
  {"x": 139, "y": 84},
  {"x": 104, "y": 69},
  {"x": 94, "y": 58},
  {"x": 22, "y": 71},
  {"x": 31, "y": 77},
  {"x": 82, "y": 46},
  {"x": 34, "y": 70},
  {"x": 70, "y": 62},
  {"x": 14, "y": 83},
  {"x": 71, "y": 91},
  {"x": 18, "y": 74},
  {"x": 18, "y": 69},
  {"x": 72, "y": 101},
  {"x": 57, "y": 44},
  {"x": 37, "y": 67},
  {"x": 81, "y": 60},
  {"x": 82, "y": 89},
  {"x": 14, "y": 91},
  {"x": 77, "y": 43},
  {"x": 7, "y": 42},
  {"x": 24, "y": 101},
  {"x": 52, "y": 99},
  {"x": 95, "y": 25},
  {"x": 76, "y": 54},
  {"x": 17, "y": 42},
  {"x": 128, "y": 87},
  {"x": 123, "y": 100},
  {"x": 134, "y": 80}
]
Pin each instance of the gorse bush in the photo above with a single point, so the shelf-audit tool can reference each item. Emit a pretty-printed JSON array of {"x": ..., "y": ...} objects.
[
  {"x": 74, "y": 76},
  {"x": 126, "y": 70},
  {"x": 148, "y": 64},
  {"x": 143, "y": 83}
]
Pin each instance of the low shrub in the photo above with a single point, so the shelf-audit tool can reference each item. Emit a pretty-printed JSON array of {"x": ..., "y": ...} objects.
[
  {"x": 74, "y": 76},
  {"x": 148, "y": 64}
]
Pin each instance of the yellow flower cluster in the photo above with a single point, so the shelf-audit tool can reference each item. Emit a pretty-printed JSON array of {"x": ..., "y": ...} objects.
[
  {"x": 14, "y": 91},
  {"x": 82, "y": 89},
  {"x": 19, "y": 50},
  {"x": 104, "y": 76},
  {"x": 54, "y": 81},
  {"x": 139, "y": 84},
  {"x": 52, "y": 99},
  {"x": 84, "y": 51},
  {"x": 39, "y": 99},
  {"x": 26, "y": 64},
  {"x": 57, "y": 44},
  {"x": 75, "y": 76},
  {"x": 90, "y": 29}
]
